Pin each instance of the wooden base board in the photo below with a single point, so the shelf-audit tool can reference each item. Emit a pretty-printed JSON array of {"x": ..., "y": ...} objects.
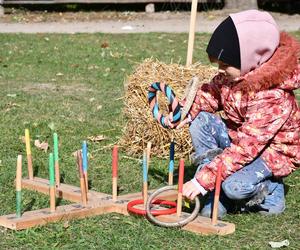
[{"x": 98, "y": 203}]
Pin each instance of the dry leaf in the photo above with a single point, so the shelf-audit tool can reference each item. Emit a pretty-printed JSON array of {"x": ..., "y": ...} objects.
[
  {"x": 23, "y": 139},
  {"x": 104, "y": 45},
  {"x": 41, "y": 145},
  {"x": 75, "y": 153},
  {"x": 66, "y": 224},
  {"x": 97, "y": 138}
]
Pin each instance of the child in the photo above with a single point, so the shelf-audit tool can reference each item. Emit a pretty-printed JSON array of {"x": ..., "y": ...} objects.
[{"x": 259, "y": 129}]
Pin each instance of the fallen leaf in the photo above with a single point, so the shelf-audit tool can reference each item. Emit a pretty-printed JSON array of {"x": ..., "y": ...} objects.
[
  {"x": 276, "y": 244},
  {"x": 104, "y": 45},
  {"x": 97, "y": 138},
  {"x": 51, "y": 125},
  {"x": 66, "y": 224},
  {"x": 23, "y": 139},
  {"x": 75, "y": 153},
  {"x": 41, "y": 145},
  {"x": 186, "y": 204}
]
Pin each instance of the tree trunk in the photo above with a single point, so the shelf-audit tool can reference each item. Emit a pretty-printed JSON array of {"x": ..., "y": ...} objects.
[{"x": 241, "y": 4}]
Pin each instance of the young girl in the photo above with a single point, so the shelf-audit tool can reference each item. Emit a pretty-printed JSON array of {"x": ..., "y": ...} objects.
[{"x": 259, "y": 127}]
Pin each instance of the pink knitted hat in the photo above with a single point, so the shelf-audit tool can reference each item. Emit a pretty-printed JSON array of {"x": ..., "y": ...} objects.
[{"x": 258, "y": 36}]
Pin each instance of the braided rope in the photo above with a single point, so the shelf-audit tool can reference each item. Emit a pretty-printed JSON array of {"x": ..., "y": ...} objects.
[
  {"x": 180, "y": 223},
  {"x": 173, "y": 103}
]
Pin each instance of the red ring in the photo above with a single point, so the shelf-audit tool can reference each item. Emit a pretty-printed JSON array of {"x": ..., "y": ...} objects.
[{"x": 132, "y": 209}]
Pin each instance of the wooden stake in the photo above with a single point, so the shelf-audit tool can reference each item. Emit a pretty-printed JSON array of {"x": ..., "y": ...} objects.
[
  {"x": 19, "y": 186},
  {"x": 51, "y": 183},
  {"x": 148, "y": 154},
  {"x": 28, "y": 153},
  {"x": 189, "y": 58},
  {"x": 171, "y": 162},
  {"x": 82, "y": 181},
  {"x": 180, "y": 186},
  {"x": 57, "y": 174},
  {"x": 217, "y": 196},
  {"x": 115, "y": 173},
  {"x": 85, "y": 164},
  {"x": 145, "y": 177}
]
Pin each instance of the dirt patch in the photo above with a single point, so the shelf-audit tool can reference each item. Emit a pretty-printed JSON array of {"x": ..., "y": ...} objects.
[{"x": 62, "y": 89}]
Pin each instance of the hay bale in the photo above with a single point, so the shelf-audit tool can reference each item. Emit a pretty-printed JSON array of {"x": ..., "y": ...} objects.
[{"x": 141, "y": 126}]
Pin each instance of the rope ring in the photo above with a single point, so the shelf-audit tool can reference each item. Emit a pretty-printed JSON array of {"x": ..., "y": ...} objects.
[
  {"x": 173, "y": 103},
  {"x": 131, "y": 207},
  {"x": 180, "y": 223}
]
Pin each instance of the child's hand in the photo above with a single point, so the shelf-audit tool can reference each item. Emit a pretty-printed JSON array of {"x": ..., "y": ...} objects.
[
  {"x": 190, "y": 190},
  {"x": 169, "y": 120},
  {"x": 184, "y": 122}
]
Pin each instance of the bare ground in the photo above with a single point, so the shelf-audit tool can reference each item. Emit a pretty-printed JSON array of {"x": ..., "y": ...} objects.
[{"x": 122, "y": 22}]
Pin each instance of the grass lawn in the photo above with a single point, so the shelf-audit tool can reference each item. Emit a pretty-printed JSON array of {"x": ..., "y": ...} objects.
[{"x": 73, "y": 85}]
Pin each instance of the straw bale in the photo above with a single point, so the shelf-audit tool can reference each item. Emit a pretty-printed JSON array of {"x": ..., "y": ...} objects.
[{"x": 141, "y": 126}]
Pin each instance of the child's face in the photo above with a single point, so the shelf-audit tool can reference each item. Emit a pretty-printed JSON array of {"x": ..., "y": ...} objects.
[{"x": 224, "y": 68}]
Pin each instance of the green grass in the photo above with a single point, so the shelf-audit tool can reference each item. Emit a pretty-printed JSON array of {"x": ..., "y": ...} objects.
[{"x": 71, "y": 85}]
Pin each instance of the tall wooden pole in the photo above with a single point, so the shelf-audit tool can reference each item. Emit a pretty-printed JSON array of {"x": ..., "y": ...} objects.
[
  {"x": 217, "y": 196},
  {"x": 115, "y": 173},
  {"x": 19, "y": 186},
  {"x": 180, "y": 186},
  {"x": 28, "y": 153},
  {"x": 189, "y": 59},
  {"x": 56, "y": 161}
]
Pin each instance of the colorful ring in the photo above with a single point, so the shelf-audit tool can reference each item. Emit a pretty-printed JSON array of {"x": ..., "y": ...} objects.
[
  {"x": 173, "y": 102},
  {"x": 131, "y": 207}
]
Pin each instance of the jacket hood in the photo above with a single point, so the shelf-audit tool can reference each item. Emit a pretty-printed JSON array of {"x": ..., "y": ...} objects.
[
  {"x": 258, "y": 36},
  {"x": 281, "y": 70}
]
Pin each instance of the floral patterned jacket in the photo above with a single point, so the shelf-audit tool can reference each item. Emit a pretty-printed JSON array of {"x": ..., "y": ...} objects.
[{"x": 261, "y": 113}]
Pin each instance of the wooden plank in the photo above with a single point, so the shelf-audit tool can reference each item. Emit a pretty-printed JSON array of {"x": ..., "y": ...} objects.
[
  {"x": 73, "y": 193},
  {"x": 64, "y": 191},
  {"x": 62, "y": 213},
  {"x": 202, "y": 225}
]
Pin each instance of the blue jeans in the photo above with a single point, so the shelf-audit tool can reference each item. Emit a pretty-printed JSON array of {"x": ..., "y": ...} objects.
[{"x": 208, "y": 132}]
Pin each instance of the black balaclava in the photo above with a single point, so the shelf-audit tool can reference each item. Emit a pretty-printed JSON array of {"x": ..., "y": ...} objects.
[{"x": 224, "y": 44}]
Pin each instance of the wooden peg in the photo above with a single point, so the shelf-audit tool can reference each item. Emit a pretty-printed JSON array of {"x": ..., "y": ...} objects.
[
  {"x": 217, "y": 196},
  {"x": 56, "y": 159},
  {"x": 28, "y": 153},
  {"x": 180, "y": 186},
  {"x": 51, "y": 183},
  {"x": 115, "y": 173},
  {"x": 19, "y": 186},
  {"x": 82, "y": 181},
  {"x": 171, "y": 162}
]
